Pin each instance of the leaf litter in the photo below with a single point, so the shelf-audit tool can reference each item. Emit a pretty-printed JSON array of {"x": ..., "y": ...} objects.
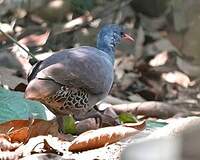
[{"x": 156, "y": 83}]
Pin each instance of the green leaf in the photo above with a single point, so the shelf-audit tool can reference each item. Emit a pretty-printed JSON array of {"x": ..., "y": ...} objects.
[
  {"x": 13, "y": 106},
  {"x": 69, "y": 125},
  {"x": 127, "y": 118}
]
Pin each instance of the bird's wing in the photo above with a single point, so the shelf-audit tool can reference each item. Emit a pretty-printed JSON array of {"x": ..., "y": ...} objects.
[{"x": 80, "y": 67}]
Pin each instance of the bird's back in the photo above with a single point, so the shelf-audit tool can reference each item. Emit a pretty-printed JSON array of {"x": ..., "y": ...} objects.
[{"x": 83, "y": 67}]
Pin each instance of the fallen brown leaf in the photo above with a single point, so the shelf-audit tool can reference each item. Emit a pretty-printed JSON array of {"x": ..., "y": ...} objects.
[
  {"x": 22, "y": 130},
  {"x": 42, "y": 127},
  {"x": 177, "y": 77},
  {"x": 20, "y": 135},
  {"x": 20, "y": 87},
  {"x": 103, "y": 136},
  {"x": 13, "y": 125},
  {"x": 5, "y": 143}
]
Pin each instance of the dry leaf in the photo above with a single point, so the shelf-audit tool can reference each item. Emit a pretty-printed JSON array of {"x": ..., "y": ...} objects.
[
  {"x": 20, "y": 135},
  {"x": 139, "y": 125},
  {"x": 103, "y": 136},
  {"x": 177, "y": 77},
  {"x": 7, "y": 29},
  {"x": 22, "y": 130},
  {"x": 42, "y": 127},
  {"x": 5, "y": 143},
  {"x": 21, "y": 87},
  {"x": 49, "y": 149},
  {"x": 159, "y": 60},
  {"x": 14, "y": 125},
  {"x": 35, "y": 40}
]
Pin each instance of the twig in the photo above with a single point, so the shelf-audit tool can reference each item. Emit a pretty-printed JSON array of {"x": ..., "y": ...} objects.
[
  {"x": 151, "y": 109},
  {"x": 15, "y": 41}
]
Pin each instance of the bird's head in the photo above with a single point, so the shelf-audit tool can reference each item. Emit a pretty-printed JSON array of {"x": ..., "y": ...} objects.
[{"x": 109, "y": 36}]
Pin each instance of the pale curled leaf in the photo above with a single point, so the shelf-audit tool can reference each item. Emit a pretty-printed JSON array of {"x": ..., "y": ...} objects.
[
  {"x": 34, "y": 39},
  {"x": 177, "y": 77},
  {"x": 159, "y": 59},
  {"x": 103, "y": 136},
  {"x": 7, "y": 28}
]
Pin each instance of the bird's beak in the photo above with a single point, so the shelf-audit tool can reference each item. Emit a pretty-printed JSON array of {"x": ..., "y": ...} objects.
[{"x": 127, "y": 37}]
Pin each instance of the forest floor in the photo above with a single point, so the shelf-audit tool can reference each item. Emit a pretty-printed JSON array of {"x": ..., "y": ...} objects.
[{"x": 156, "y": 88}]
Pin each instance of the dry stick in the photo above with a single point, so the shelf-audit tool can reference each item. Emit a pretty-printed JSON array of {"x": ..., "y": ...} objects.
[
  {"x": 150, "y": 109},
  {"x": 15, "y": 41}
]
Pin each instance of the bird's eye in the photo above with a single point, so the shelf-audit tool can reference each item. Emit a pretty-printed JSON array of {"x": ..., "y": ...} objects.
[{"x": 122, "y": 34}]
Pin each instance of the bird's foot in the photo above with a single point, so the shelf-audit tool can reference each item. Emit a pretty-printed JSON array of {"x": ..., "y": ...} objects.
[
  {"x": 59, "y": 120},
  {"x": 101, "y": 118},
  {"x": 91, "y": 114}
]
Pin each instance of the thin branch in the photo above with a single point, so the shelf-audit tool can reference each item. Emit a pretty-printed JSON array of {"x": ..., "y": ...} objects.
[{"x": 15, "y": 41}]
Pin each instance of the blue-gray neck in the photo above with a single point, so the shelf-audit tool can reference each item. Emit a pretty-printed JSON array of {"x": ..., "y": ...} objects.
[{"x": 108, "y": 48}]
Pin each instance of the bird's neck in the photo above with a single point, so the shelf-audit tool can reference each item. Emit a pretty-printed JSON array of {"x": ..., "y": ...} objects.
[{"x": 108, "y": 49}]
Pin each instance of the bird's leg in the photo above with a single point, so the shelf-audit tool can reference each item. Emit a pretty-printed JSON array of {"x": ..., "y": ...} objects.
[
  {"x": 92, "y": 113},
  {"x": 59, "y": 120},
  {"x": 104, "y": 119}
]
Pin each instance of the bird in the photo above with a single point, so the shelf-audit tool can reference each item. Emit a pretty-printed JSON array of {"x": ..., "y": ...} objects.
[{"x": 73, "y": 81}]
